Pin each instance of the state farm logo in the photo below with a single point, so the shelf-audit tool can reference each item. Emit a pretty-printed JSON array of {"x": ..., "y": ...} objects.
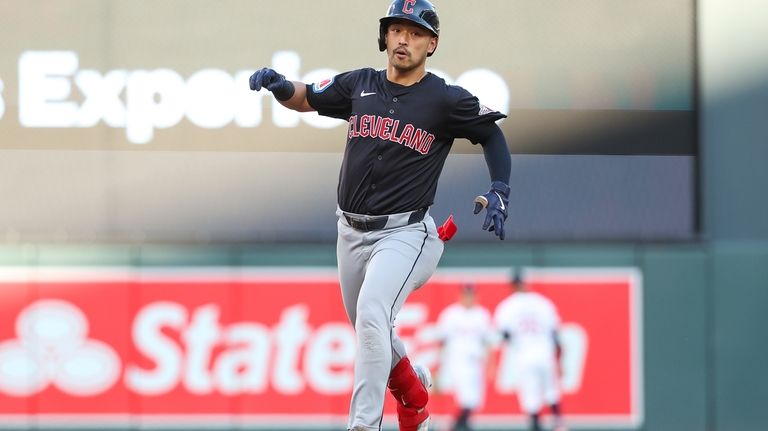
[{"x": 52, "y": 348}]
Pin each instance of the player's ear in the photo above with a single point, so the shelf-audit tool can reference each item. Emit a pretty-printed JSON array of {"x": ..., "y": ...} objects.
[{"x": 432, "y": 46}]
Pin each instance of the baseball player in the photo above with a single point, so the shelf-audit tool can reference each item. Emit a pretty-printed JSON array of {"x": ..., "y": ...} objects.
[
  {"x": 402, "y": 123},
  {"x": 465, "y": 330},
  {"x": 530, "y": 323}
]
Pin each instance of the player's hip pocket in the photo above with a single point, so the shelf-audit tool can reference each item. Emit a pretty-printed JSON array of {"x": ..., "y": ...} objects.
[{"x": 431, "y": 253}]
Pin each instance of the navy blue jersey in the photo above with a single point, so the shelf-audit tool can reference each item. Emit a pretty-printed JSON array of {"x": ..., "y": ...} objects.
[{"x": 398, "y": 136}]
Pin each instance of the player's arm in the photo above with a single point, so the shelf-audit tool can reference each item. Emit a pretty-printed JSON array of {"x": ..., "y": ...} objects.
[
  {"x": 490, "y": 362},
  {"x": 556, "y": 332},
  {"x": 491, "y": 343},
  {"x": 298, "y": 102},
  {"x": 291, "y": 94},
  {"x": 497, "y": 156},
  {"x": 442, "y": 341},
  {"x": 499, "y": 164},
  {"x": 440, "y": 367},
  {"x": 468, "y": 118},
  {"x": 557, "y": 343}
]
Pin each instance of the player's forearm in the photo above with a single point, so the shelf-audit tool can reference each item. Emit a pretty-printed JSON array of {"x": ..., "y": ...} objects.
[
  {"x": 497, "y": 156},
  {"x": 298, "y": 101}
]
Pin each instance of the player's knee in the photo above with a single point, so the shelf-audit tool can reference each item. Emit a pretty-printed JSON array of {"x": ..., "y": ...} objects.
[
  {"x": 372, "y": 335},
  {"x": 370, "y": 341},
  {"x": 372, "y": 318}
]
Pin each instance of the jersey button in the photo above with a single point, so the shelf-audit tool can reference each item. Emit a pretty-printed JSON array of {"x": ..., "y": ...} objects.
[
  {"x": 391, "y": 111},
  {"x": 394, "y": 99},
  {"x": 373, "y": 186},
  {"x": 379, "y": 157}
]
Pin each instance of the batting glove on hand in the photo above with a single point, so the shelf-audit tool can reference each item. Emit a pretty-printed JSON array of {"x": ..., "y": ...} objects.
[
  {"x": 272, "y": 81},
  {"x": 495, "y": 203}
]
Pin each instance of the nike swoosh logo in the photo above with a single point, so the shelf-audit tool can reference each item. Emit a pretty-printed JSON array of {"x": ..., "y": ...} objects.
[
  {"x": 501, "y": 201},
  {"x": 363, "y": 93}
]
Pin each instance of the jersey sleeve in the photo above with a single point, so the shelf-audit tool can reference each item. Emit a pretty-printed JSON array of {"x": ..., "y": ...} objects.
[
  {"x": 333, "y": 97},
  {"x": 469, "y": 118}
]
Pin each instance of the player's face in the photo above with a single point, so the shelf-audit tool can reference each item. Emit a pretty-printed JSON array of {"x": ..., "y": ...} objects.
[
  {"x": 468, "y": 298},
  {"x": 408, "y": 45}
]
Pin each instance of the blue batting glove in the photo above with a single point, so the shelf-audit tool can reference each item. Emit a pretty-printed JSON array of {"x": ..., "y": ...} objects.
[
  {"x": 272, "y": 81},
  {"x": 495, "y": 203}
]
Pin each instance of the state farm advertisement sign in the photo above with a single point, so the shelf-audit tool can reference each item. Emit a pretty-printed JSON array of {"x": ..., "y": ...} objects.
[{"x": 267, "y": 348}]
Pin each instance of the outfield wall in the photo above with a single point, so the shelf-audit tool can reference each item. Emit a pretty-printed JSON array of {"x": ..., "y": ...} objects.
[{"x": 695, "y": 367}]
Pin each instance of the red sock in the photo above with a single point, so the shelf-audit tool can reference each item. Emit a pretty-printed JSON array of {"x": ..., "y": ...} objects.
[{"x": 406, "y": 387}]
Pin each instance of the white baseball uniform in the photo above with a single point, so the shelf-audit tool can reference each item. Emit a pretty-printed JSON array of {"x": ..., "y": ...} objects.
[
  {"x": 531, "y": 320},
  {"x": 467, "y": 333}
]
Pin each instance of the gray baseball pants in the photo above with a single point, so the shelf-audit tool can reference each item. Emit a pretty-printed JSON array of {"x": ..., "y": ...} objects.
[{"x": 377, "y": 272}]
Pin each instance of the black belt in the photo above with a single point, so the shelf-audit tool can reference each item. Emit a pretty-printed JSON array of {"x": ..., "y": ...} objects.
[{"x": 379, "y": 222}]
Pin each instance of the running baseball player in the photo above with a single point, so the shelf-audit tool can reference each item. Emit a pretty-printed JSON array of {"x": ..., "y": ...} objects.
[
  {"x": 466, "y": 335},
  {"x": 402, "y": 123},
  {"x": 530, "y": 323}
]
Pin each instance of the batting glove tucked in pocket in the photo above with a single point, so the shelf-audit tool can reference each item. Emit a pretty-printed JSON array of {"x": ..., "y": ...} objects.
[{"x": 495, "y": 203}]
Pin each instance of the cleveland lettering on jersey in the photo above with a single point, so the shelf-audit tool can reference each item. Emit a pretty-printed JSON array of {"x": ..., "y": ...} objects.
[
  {"x": 424, "y": 119},
  {"x": 386, "y": 129}
]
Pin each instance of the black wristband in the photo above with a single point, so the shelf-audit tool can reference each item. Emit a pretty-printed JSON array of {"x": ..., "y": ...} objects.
[
  {"x": 285, "y": 91},
  {"x": 501, "y": 187}
]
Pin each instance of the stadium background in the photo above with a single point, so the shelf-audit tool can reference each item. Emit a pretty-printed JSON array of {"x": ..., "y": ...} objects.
[{"x": 680, "y": 160}]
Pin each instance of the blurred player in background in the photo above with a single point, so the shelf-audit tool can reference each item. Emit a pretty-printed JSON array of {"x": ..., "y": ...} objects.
[
  {"x": 466, "y": 335},
  {"x": 529, "y": 322}
]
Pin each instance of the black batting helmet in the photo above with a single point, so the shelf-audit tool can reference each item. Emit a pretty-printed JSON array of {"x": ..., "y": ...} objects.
[{"x": 421, "y": 12}]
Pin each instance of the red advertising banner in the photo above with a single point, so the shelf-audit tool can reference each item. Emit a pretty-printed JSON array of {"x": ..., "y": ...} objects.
[{"x": 223, "y": 347}]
